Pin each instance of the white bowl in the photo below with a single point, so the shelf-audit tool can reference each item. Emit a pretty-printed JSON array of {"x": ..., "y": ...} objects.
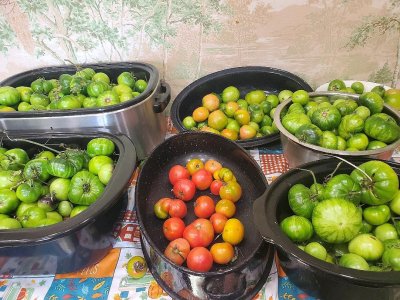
[{"x": 368, "y": 85}]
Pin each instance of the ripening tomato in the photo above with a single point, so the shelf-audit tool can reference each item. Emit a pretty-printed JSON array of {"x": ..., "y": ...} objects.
[
  {"x": 231, "y": 191},
  {"x": 177, "y": 251},
  {"x": 194, "y": 164},
  {"x": 200, "y": 233},
  {"x": 222, "y": 253},
  {"x": 184, "y": 189},
  {"x": 212, "y": 165},
  {"x": 202, "y": 179},
  {"x": 226, "y": 208},
  {"x": 204, "y": 207},
  {"x": 173, "y": 228},
  {"x": 177, "y": 208},
  {"x": 199, "y": 259},
  {"x": 216, "y": 186},
  {"x": 161, "y": 208},
  {"x": 218, "y": 222},
  {"x": 233, "y": 232},
  {"x": 178, "y": 172}
]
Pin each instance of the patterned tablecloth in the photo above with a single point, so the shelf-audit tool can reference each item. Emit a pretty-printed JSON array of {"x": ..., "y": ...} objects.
[{"x": 108, "y": 279}]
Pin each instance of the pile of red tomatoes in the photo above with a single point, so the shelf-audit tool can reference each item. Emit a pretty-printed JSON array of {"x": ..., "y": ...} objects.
[{"x": 196, "y": 243}]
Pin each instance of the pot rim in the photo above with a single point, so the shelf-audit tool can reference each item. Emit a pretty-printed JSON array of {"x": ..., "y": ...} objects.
[
  {"x": 283, "y": 243},
  {"x": 330, "y": 152},
  {"x": 236, "y": 70},
  {"x": 153, "y": 83},
  {"x": 149, "y": 240}
]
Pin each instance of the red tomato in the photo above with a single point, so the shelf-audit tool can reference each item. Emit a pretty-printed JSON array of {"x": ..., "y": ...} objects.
[
  {"x": 199, "y": 259},
  {"x": 218, "y": 222},
  {"x": 200, "y": 233},
  {"x": 177, "y": 251},
  {"x": 202, "y": 179},
  {"x": 204, "y": 207},
  {"x": 212, "y": 165},
  {"x": 184, "y": 189},
  {"x": 161, "y": 208},
  {"x": 178, "y": 172},
  {"x": 173, "y": 228},
  {"x": 177, "y": 208},
  {"x": 216, "y": 186}
]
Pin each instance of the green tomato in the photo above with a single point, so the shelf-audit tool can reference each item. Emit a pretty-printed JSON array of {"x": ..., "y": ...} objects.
[
  {"x": 284, "y": 95},
  {"x": 316, "y": 249},
  {"x": 309, "y": 133},
  {"x": 95, "y": 88},
  {"x": 363, "y": 112},
  {"x": 373, "y": 101},
  {"x": 366, "y": 227},
  {"x": 367, "y": 246},
  {"x": 59, "y": 188},
  {"x": 25, "y": 93},
  {"x": 336, "y": 220},
  {"x": 358, "y": 141},
  {"x": 353, "y": 261},
  {"x": 372, "y": 145},
  {"x": 85, "y": 188},
  {"x": 343, "y": 186},
  {"x": 97, "y": 162},
  {"x": 296, "y": 108},
  {"x": 300, "y": 201},
  {"x": 336, "y": 85},
  {"x": 297, "y": 228},
  {"x": 329, "y": 140},
  {"x": 107, "y": 98},
  {"x": 273, "y": 99},
  {"x": 292, "y": 122},
  {"x": 65, "y": 80},
  {"x": 381, "y": 130},
  {"x": 255, "y": 97},
  {"x": 9, "y": 96},
  {"x": 349, "y": 125},
  {"x": 31, "y": 216},
  {"x": 122, "y": 89},
  {"x": 140, "y": 86},
  {"x": 100, "y": 146},
  {"x": 69, "y": 102},
  {"x": 384, "y": 184},
  {"x": 65, "y": 208},
  {"x": 126, "y": 78},
  {"x": 89, "y": 102},
  {"x": 391, "y": 258},
  {"x": 341, "y": 143},
  {"x": 326, "y": 118},
  {"x": 230, "y": 93},
  {"x": 242, "y": 104},
  {"x": 300, "y": 96},
  {"x": 14, "y": 159},
  {"x": 346, "y": 107},
  {"x": 385, "y": 232},
  {"x": 29, "y": 192},
  {"x": 377, "y": 215},
  {"x": 358, "y": 87}
]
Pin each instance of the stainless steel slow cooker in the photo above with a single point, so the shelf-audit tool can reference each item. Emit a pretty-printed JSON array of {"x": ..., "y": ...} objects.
[{"x": 141, "y": 118}]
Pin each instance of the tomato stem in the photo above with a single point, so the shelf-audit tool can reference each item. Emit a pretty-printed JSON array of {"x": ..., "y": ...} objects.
[
  {"x": 354, "y": 166},
  {"x": 312, "y": 174},
  {"x": 31, "y": 142}
]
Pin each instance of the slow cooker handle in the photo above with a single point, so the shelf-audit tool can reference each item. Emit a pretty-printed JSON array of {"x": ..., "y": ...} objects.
[
  {"x": 262, "y": 222},
  {"x": 162, "y": 99}
]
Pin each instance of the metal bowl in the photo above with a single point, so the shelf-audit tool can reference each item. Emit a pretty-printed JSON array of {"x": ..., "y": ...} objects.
[{"x": 297, "y": 152}]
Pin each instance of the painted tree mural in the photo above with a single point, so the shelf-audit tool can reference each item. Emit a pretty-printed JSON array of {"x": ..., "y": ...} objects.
[{"x": 377, "y": 26}]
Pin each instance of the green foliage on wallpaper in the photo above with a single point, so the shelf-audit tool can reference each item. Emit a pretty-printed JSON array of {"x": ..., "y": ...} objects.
[
  {"x": 382, "y": 75},
  {"x": 7, "y": 36},
  {"x": 80, "y": 30}
]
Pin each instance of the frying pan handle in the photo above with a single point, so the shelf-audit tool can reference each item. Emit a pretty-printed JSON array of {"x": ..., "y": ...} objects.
[
  {"x": 162, "y": 99},
  {"x": 262, "y": 222}
]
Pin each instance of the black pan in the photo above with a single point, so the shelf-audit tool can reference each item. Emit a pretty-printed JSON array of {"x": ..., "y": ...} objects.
[{"x": 238, "y": 280}]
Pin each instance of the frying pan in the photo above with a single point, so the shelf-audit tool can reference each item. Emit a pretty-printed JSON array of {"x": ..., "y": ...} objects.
[{"x": 240, "y": 279}]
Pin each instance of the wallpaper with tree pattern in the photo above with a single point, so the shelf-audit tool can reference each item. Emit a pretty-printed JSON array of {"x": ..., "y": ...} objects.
[{"x": 318, "y": 40}]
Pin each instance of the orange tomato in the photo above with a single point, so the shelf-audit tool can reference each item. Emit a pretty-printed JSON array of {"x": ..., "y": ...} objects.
[
  {"x": 212, "y": 165},
  {"x": 233, "y": 232},
  {"x": 210, "y": 101},
  {"x": 230, "y": 134},
  {"x": 222, "y": 253},
  {"x": 218, "y": 221},
  {"x": 194, "y": 164},
  {"x": 200, "y": 114},
  {"x": 225, "y": 207}
]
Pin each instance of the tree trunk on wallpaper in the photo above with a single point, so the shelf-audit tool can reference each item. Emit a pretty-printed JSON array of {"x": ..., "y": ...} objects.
[
  {"x": 397, "y": 65},
  {"x": 165, "y": 46},
  {"x": 19, "y": 22},
  {"x": 200, "y": 56}
]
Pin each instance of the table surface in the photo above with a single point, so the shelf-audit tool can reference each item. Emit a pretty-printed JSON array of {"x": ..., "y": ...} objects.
[{"x": 108, "y": 279}]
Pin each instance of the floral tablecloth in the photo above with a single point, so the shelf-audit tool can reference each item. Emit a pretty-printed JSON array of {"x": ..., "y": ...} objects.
[{"x": 108, "y": 279}]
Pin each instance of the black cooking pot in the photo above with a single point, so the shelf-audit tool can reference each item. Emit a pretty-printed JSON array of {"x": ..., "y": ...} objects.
[
  {"x": 242, "y": 278},
  {"x": 246, "y": 79},
  {"x": 318, "y": 278},
  {"x": 77, "y": 242}
]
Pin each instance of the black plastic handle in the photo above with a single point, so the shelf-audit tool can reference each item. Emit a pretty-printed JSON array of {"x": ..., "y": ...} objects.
[
  {"x": 262, "y": 222},
  {"x": 162, "y": 99}
]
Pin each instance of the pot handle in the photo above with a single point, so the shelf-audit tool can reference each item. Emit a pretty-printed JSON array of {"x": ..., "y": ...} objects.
[
  {"x": 262, "y": 222},
  {"x": 162, "y": 99}
]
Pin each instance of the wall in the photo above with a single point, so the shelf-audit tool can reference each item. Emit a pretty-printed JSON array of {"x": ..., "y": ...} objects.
[{"x": 186, "y": 39}]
